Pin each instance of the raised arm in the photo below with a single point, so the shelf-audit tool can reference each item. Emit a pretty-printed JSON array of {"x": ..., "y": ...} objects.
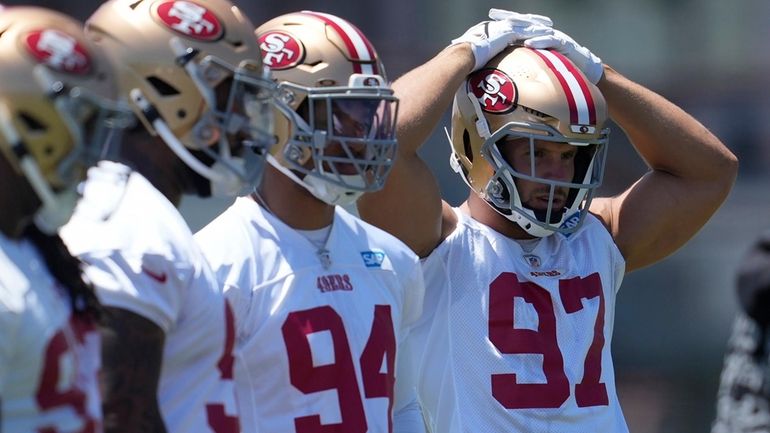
[
  {"x": 410, "y": 205},
  {"x": 691, "y": 171},
  {"x": 691, "y": 174}
]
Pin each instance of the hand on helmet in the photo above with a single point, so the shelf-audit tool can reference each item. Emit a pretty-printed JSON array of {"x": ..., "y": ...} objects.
[
  {"x": 582, "y": 57},
  {"x": 489, "y": 38},
  {"x": 521, "y": 19}
]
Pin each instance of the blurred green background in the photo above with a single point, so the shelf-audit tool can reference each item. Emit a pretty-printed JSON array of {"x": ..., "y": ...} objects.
[{"x": 708, "y": 56}]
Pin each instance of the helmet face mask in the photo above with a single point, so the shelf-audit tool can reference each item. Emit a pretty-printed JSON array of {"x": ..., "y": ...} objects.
[
  {"x": 344, "y": 139},
  {"x": 237, "y": 100},
  {"x": 194, "y": 75},
  {"x": 336, "y": 129},
  {"x": 235, "y": 130},
  {"x": 531, "y": 147},
  {"x": 58, "y": 113},
  {"x": 561, "y": 200}
]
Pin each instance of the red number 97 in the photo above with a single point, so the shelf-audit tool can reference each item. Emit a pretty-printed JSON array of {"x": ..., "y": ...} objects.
[{"x": 507, "y": 339}]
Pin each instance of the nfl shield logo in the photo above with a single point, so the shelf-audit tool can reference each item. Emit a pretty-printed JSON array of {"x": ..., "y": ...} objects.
[{"x": 532, "y": 259}]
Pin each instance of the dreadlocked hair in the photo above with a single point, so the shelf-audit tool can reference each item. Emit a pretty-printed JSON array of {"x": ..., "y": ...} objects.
[{"x": 67, "y": 270}]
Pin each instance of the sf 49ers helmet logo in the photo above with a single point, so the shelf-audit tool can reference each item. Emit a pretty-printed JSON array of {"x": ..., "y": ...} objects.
[
  {"x": 189, "y": 19},
  {"x": 280, "y": 50},
  {"x": 495, "y": 91},
  {"x": 59, "y": 51}
]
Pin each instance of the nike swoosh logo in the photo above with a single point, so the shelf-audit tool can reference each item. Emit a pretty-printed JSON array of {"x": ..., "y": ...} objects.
[{"x": 161, "y": 278}]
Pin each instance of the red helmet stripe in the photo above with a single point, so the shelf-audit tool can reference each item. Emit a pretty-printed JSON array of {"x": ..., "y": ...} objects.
[
  {"x": 581, "y": 103},
  {"x": 581, "y": 81},
  {"x": 359, "y": 48}
]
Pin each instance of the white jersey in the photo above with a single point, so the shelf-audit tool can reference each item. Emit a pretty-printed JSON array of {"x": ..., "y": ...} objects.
[
  {"x": 318, "y": 344},
  {"x": 512, "y": 341},
  {"x": 142, "y": 258},
  {"x": 49, "y": 358}
]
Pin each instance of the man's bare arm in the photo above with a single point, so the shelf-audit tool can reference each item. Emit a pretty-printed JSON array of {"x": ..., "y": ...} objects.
[
  {"x": 410, "y": 206},
  {"x": 691, "y": 174}
]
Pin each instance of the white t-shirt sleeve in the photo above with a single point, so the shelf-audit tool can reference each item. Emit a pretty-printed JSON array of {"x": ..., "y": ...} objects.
[{"x": 147, "y": 285}]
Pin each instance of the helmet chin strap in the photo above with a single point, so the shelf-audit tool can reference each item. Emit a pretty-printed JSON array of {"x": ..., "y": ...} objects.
[
  {"x": 319, "y": 188},
  {"x": 56, "y": 209},
  {"x": 482, "y": 127}
]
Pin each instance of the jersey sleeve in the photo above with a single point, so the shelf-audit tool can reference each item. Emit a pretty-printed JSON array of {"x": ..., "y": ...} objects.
[{"x": 148, "y": 285}]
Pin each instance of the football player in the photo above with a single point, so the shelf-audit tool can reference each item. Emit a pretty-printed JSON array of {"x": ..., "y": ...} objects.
[
  {"x": 57, "y": 107},
  {"x": 192, "y": 73},
  {"x": 521, "y": 279},
  {"x": 322, "y": 299},
  {"x": 743, "y": 398}
]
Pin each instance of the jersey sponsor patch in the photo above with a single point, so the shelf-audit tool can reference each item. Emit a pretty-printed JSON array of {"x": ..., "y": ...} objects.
[
  {"x": 571, "y": 222},
  {"x": 373, "y": 259}
]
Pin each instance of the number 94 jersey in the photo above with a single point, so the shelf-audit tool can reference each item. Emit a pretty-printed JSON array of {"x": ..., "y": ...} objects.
[
  {"x": 317, "y": 344},
  {"x": 519, "y": 341}
]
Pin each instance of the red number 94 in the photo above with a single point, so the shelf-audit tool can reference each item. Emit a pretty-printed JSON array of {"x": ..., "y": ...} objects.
[{"x": 340, "y": 375}]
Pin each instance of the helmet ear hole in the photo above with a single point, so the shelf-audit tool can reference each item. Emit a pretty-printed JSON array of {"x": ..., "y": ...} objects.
[
  {"x": 304, "y": 110},
  {"x": 582, "y": 161},
  {"x": 467, "y": 145},
  {"x": 164, "y": 88},
  {"x": 31, "y": 123}
]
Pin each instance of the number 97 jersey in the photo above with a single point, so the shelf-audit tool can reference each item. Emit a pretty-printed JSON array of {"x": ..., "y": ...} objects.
[{"x": 519, "y": 341}]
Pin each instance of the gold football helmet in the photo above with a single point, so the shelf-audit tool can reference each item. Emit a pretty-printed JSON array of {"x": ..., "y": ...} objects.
[
  {"x": 57, "y": 106},
  {"x": 194, "y": 76},
  {"x": 338, "y": 138},
  {"x": 535, "y": 95}
]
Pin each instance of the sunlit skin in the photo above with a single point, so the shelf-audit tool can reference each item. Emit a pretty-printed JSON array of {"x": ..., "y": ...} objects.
[{"x": 553, "y": 161}]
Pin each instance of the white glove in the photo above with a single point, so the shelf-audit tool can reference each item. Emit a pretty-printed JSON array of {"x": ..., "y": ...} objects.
[
  {"x": 489, "y": 38},
  {"x": 501, "y": 14},
  {"x": 581, "y": 56}
]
